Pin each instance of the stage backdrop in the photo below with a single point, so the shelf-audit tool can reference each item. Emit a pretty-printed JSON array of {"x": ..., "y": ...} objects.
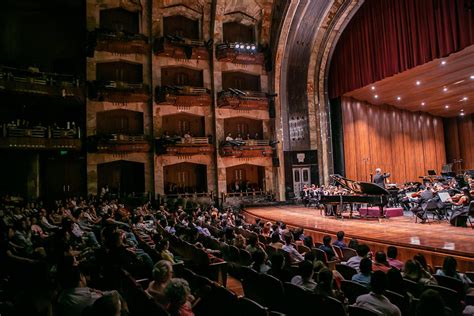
[
  {"x": 404, "y": 143},
  {"x": 460, "y": 141}
]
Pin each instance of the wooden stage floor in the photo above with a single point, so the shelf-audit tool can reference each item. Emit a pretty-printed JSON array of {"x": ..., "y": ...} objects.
[{"x": 435, "y": 240}]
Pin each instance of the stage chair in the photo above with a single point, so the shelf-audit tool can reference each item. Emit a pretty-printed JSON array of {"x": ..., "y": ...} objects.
[
  {"x": 346, "y": 271},
  {"x": 352, "y": 290}
]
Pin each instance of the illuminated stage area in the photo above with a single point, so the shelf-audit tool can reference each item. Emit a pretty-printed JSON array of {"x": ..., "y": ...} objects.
[{"x": 435, "y": 240}]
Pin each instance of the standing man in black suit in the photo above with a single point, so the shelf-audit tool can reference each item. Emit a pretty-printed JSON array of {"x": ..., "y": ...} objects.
[{"x": 379, "y": 178}]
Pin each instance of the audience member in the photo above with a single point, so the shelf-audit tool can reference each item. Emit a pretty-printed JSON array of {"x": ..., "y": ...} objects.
[
  {"x": 178, "y": 294},
  {"x": 327, "y": 248},
  {"x": 340, "y": 240},
  {"x": 380, "y": 263},
  {"x": 450, "y": 269},
  {"x": 162, "y": 274},
  {"x": 259, "y": 264},
  {"x": 362, "y": 252},
  {"x": 392, "y": 253},
  {"x": 414, "y": 272},
  {"x": 305, "y": 276},
  {"x": 276, "y": 241},
  {"x": 295, "y": 256},
  {"x": 364, "y": 276},
  {"x": 376, "y": 299},
  {"x": 431, "y": 304}
]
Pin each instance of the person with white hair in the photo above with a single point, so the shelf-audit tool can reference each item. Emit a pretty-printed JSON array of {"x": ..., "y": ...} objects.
[{"x": 379, "y": 178}]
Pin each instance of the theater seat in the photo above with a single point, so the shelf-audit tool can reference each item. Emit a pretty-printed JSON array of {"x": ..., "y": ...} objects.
[
  {"x": 249, "y": 307},
  {"x": 346, "y": 271},
  {"x": 359, "y": 311},
  {"x": 352, "y": 290}
]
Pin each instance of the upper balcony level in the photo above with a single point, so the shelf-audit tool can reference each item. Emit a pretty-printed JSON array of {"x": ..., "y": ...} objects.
[
  {"x": 182, "y": 96},
  {"x": 15, "y": 136},
  {"x": 34, "y": 82},
  {"x": 118, "y": 42},
  {"x": 246, "y": 148},
  {"x": 242, "y": 100},
  {"x": 183, "y": 146},
  {"x": 118, "y": 91},
  {"x": 118, "y": 143},
  {"x": 240, "y": 53},
  {"x": 181, "y": 48}
]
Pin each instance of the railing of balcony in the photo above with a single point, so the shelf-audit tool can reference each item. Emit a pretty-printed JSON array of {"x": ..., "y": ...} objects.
[
  {"x": 118, "y": 91},
  {"x": 31, "y": 80},
  {"x": 244, "y": 100},
  {"x": 119, "y": 143},
  {"x": 116, "y": 41},
  {"x": 182, "y": 96},
  {"x": 243, "y": 53},
  {"x": 180, "y": 47}
]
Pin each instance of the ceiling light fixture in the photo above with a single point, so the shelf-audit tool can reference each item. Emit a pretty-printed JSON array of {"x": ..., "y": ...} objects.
[
  {"x": 472, "y": 77},
  {"x": 376, "y": 96},
  {"x": 422, "y": 103},
  {"x": 443, "y": 62},
  {"x": 462, "y": 114},
  {"x": 446, "y": 106},
  {"x": 399, "y": 98},
  {"x": 418, "y": 82},
  {"x": 464, "y": 99},
  {"x": 373, "y": 88},
  {"x": 445, "y": 89}
]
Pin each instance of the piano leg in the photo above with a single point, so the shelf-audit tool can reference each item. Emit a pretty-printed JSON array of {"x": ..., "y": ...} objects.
[{"x": 381, "y": 211}]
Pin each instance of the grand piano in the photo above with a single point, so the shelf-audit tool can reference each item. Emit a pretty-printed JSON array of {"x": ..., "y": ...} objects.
[{"x": 362, "y": 193}]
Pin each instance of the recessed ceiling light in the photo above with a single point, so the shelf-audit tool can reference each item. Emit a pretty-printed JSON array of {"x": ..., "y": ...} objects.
[
  {"x": 445, "y": 89},
  {"x": 373, "y": 88},
  {"x": 422, "y": 103},
  {"x": 462, "y": 110},
  {"x": 472, "y": 77},
  {"x": 443, "y": 62},
  {"x": 446, "y": 106},
  {"x": 464, "y": 99},
  {"x": 462, "y": 114},
  {"x": 418, "y": 82},
  {"x": 399, "y": 98},
  {"x": 376, "y": 96}
]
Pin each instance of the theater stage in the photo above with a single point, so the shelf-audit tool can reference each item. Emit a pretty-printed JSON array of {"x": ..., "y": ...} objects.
[{"x": 434, "y": 240}]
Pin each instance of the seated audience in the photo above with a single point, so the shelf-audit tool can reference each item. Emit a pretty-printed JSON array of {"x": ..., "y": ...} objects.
[
  {"x": 110, "y": 304},
  {"x": 325, "y": 286},
  {"x": 376, "y": 299},
  {"x": 327, "y": 248},
  {"x": 340, "y": 240},
  {"x": 450, "y": 269},
  {"x": 414, "y": 272},
  {"x": 162, "y": 274},
  {"x": 380, "y": 263},
  {"x": 305, "y": 276},
  {"x": 392, "y": 253},
  {"x": 365, "y": 268},
  {"x": 362, "y": 252},
  {"x": 431, "y": 304},
  {"x": 277, "y": 268},
  {"x": 163, "y": 248},
  {"x": 178, "y": 293},
  {"x": 295, "y": 256},
  {"x": 259, "y": 264},
  {"x": 276, "y": 241}
]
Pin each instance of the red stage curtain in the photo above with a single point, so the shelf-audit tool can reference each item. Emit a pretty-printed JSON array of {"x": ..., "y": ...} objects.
[{"x": 386, "y": 37}]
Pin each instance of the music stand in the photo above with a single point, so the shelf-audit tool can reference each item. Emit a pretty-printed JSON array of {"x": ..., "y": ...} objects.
[{"x": 431, "y": 172}]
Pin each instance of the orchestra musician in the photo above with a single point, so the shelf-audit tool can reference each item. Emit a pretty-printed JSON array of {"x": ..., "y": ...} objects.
[
  {"x": 460, "y": 204},
  {"x": 379, "y": 178}
]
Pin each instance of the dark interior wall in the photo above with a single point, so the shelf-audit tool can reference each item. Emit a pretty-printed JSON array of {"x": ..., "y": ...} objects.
[
  {"x": 237, "y": 32},
  {"x": 243, "y": 126},
  {"x": 120, "y": 71},
  {"x": 47, "y": 34},
  {"x": 240, "y": 80},
  {"x": 181, "y": 123},
  {"x": 118, "y": 19},
  {"x": 459, "y": 139},
  {"x": 185, "y": 177},
  {"x": 179, "y": 25},
  {"x": 337, "y": 136},
  {"x": 181, "y": 76},
  {"x": 120, "y": 122},
  {"x": 242, "y": 173}
]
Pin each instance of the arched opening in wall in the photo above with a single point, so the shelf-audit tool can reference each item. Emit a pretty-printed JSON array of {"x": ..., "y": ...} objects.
[
  {"x": 245, "y": 178},
  {"x": 182, "y": 124},
  {"x": 235, "y": 32},
  {"x": 120, "y": 71},
  {"x": 240, "y": 80},
  {"x": 185, "y": 177},
  {"x": 181, "y": 26},
  {"x": 119, "y": 122},
  {"x": 123, "y": 178},
  {"x": 120, "y": 20},
  {"x": 242, "y": 128},
  {"x": 181, "y": 76}
]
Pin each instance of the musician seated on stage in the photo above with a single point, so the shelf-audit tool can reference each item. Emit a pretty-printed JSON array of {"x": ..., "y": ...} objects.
[{"x": 460, "y": 204}]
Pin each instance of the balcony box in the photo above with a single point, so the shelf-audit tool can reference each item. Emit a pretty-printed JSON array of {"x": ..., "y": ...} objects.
[
  {"x": 180, "y": 48},
  {"x": 179, "y": 146},
  {"x": 229, "y": 53},
  {"x": 183, "y": 96},
  {"x": 118, "y": 143},
  {"x": 40, "y": 138},
  {"x": 246, "y": 149},
  {"x": 242, "y": 100},
  {"x": 118, "y": 91},
  {"x": 118, "y": 42}
]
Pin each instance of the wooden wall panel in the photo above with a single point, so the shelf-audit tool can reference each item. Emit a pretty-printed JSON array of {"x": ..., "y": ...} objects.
[
  {"x": 460, "y": 141},
  {"x": 406, "y": 144}
]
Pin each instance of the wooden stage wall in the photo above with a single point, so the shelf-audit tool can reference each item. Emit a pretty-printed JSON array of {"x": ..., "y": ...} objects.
[
  {"x": 404, "y": 143},
  {"x": 460, "y": 141}
]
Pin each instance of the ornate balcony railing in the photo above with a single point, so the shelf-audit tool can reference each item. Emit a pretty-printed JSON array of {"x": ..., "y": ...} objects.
[
  {"x": 182, "y": 96},
  {"x": 118, "y": 143},
  {"x": 32, "y": 81},
  {"x": 40, "y": 138},
  {"x": 118, "y": 91},
  {"x": 246, "y": 148},
  {"x": 242, "y": 100},
  {"x": 239, "y": 53},
  {"x": 117, "y": 42},
  {"x": 180, "y": 146},
  {"x": 181, "y": 48}
]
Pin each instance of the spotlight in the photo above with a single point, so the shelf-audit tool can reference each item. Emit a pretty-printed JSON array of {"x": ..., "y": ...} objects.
[
  {"x": 247, "y": 47},
  {"x": 399, "y": 98},
  {"x": 376, "y": 96},
  {"x": 373, "y": 88},
  {"x": 472, "y": 77},
  {"x": 237, "y": 46},
  {"x": 446, "y": 106},
  {"x": 422, "y": 103},
  {"x": 253, "y": 47},
  {"x": 445, "y": 89},
  {"x": 418, "y": 82}
]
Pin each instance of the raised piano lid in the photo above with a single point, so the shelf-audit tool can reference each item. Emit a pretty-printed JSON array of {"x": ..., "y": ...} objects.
[{"x": 359, "y": 187}]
